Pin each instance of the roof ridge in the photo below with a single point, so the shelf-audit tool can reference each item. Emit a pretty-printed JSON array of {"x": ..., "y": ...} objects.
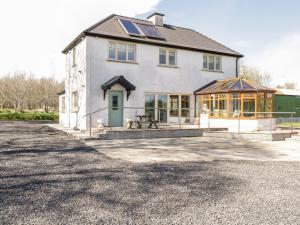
[
  {"x": 128, "y": 17},
  {"x": 99, "y": 22}
]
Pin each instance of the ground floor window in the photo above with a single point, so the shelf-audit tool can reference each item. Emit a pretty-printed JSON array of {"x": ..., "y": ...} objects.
[
  {"x": 174, "y": 105},
  {"x": 164, "y": 106},
  {"x": 235, "y": 104},
  {"x": 150, "y": 105},
  {"x": 249, "y": 105},
  {"x": 223, "y": 105},
  {"x": 185, "y": 106},
  {"x": 63, "y": 104},
  {"x": 74, "y": 101}
]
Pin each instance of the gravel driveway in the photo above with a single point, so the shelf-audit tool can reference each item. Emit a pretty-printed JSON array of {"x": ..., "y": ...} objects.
[{"x": 47, "y": 177}]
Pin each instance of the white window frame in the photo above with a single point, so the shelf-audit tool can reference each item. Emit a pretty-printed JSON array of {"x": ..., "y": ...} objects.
[
  {"x": 75, "y": 103},
  {"x": 126, "y": 50},
  {"x": 74, "y": 57},
  {"x": 63, "y": 104},
  {"x": 215, "y": 62},
  {"x": 167, "y": 57}
]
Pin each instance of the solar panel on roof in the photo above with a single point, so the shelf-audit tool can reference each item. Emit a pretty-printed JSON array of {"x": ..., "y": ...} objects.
[
  {"x": 150, "y": 31},
  {"x": 130, "y": 28}
]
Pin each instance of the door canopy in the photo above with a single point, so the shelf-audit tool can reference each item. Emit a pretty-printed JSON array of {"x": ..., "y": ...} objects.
[{"x": 118, "y": 80}]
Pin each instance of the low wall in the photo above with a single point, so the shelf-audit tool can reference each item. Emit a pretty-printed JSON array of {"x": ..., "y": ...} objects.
[
  {"x": 246, "y": 125},
  {"x": 287, "y": 119},
  {"x": 265, "y": 136},
  {"x": 146, "y": 134}
]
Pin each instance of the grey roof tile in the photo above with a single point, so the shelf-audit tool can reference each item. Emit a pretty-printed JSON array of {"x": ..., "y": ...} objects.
[{"x": 174, "y": 36}]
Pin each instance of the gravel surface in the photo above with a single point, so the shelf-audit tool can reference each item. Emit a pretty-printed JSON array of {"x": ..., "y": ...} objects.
[{"x": 47, "y": 177}]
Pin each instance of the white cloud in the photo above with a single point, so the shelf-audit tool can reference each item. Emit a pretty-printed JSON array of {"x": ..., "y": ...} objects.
[
  {"x": 281, "y": 59},
  {"x": 33, "y": 32}
]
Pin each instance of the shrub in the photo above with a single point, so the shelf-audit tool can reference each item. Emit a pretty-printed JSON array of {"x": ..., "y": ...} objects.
[{"x": 4, "y": 115}]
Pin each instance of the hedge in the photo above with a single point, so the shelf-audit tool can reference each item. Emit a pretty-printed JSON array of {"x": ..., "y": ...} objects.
[{"x": 28, "y": 116}]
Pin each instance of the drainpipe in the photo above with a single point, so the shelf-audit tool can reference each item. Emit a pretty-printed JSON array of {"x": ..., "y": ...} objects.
[
  {"x": 195, "y": 105},
  {"x": 236, "y": 67}
]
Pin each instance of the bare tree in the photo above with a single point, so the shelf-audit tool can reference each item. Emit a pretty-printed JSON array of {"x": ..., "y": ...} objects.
[
  {"x": 290, "y": 85},
  {"x": 255, "y": 75},
  {"x": 287, "y": 85},
  {"x": 22, "y": 91}
]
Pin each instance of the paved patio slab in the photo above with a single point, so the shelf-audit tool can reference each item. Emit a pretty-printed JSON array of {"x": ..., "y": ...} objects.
[{"x": 197, "y": 149}]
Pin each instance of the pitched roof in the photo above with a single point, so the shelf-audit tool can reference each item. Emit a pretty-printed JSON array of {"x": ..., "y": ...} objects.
[
  {"x": 283, "y": 91},
  {"x": 61, "y": 92},
  {"x": 174, "y": 36},
  {"x": 232, "y": 85},
  {"x": 118, "y": 80}
]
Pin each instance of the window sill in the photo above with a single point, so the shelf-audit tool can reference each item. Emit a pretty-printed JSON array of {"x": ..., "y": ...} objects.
[
  {"x": 213, "y": 71},
  {"x": 168, "y": 66},
  {"x": 120, "y": 61}
]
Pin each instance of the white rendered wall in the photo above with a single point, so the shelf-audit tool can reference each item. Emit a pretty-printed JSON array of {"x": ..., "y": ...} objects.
[
  {"x": 234, "y": 124},
  {"x": 75, "y": 80},
  {"x": 62, "y": 115},
  {"x": 146, "y": 75}
]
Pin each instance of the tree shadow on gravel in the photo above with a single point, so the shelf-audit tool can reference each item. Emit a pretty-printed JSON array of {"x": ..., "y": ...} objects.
[
  {"x": 125, "y": 191},
  {"x": 65, "y": 181}
]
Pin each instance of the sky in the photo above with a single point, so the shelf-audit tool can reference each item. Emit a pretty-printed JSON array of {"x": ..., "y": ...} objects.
[{"x": 267, "y": 32}]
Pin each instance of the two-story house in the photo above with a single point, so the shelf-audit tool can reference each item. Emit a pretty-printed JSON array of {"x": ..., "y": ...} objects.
[{"x": 122, "y": 67}]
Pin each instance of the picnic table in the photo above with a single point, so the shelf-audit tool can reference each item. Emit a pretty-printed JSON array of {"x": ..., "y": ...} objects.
[{"x": 142, "y": 119}]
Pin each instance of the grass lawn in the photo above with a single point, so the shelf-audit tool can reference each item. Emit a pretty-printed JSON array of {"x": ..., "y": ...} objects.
[
  {"x": 10, "y": 114},
  {"x": 295, "y": 124}
]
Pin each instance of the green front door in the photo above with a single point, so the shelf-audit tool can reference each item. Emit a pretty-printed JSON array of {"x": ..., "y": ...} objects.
[{"x": 115, "y": 109}]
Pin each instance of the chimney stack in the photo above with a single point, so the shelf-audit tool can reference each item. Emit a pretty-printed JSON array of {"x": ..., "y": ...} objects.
[{"x": 156, "y": 18}]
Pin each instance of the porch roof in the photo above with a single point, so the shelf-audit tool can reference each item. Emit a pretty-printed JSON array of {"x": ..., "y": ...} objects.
[
  {"x": 118, "y": 80},
  {"x": 232, "y": 85}
]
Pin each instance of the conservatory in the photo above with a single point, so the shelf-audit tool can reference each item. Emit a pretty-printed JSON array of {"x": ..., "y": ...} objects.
[{"x": 236, "y": 104}]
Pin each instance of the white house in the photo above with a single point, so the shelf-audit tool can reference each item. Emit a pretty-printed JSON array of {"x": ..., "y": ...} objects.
[{"x": 122, "y": 67}]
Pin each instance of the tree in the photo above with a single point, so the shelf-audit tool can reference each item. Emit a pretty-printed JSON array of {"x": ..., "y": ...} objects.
[
  {"x": 23, "y": 91},
  {"x": 255, "y": 75},
  {"x": 290, "y": 85},
  {"x": 287, "y": 85}
]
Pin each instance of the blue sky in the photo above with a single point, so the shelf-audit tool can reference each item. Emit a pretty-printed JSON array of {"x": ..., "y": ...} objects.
[
  {"x": 255, "y": 28},
  {"x": 266, "y": 32},
  {"x": 237, "y": 23}
]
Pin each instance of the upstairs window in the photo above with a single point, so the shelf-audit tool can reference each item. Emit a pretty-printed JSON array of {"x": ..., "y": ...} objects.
[
  {"x": 122, "y": 52},
  {"x": 167, "y": 57},
  {"x": 162, "y": 57},
  {"x": 74, "y": 57},
  {"x": 212, "y": 63}
]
